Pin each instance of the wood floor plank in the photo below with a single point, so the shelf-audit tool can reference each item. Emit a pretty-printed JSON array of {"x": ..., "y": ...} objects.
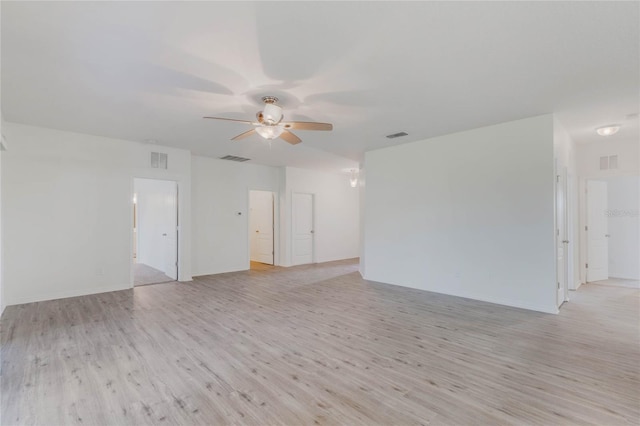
[{"x": 317, "y": 344}]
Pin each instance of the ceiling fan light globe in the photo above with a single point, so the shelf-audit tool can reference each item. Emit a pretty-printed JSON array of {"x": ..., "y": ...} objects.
[
  {"x": 272, "y": 114},
  {"x": 269, "y": 132}
]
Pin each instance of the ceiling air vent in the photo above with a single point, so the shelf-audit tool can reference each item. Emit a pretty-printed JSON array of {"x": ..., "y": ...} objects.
[
  {"x": 397, "y": 135},
  {"x": 234, "y": 158},
  {"x": 159, "y": 160}
]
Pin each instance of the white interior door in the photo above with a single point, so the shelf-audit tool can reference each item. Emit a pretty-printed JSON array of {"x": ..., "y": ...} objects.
[
  {"x": 597, "y": 231},
  {"x": 170, "y": 236},
  {"x": 561, "y": 237},
  {"x": 303, "y": 232},
  {"x": 157, "y": 225},
  {"x": 261, "y": 226}
]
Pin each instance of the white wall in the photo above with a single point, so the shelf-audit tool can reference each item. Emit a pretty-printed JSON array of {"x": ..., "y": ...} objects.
[
  {"x": 588, "y": 157},
  {"x": 2, "y": 299},
  {"x": 67, "y": 211},
  {"x": 2, "y": 147},
  {"x": 220, "y": 191},
  {"x": 469, "y": 214},
  {"x": 156, "y": 216},
  {"x": 624, "y": 227},
  {"x": 337, "y": 214}
]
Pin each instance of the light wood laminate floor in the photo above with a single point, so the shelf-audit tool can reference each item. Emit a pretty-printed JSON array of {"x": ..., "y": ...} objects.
[
  {"x": 318, "y": 345},
  {"x": 145, "y": 275},
  {"x": 618, "y": 282}
]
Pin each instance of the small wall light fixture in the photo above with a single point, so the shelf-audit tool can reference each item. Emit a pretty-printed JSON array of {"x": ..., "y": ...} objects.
[{"x": 353, "y": 180}]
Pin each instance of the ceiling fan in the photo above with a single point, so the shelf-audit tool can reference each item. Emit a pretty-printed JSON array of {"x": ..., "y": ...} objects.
[{"x": 271, "y": 126}]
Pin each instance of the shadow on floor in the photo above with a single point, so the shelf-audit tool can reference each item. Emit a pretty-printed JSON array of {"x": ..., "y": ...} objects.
[{"x": 145, "y": 275}]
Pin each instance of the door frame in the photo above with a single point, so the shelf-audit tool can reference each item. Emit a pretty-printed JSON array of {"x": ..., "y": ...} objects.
[
  {"x": 561, "y": 180},
  {"x": 179, "y": 254},
  {"x": 314, "y": 258},
  {"x": 276, "y": 226}
]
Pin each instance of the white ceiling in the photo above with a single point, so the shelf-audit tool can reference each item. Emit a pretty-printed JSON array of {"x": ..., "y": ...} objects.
[{"x": 151, "y": 70}]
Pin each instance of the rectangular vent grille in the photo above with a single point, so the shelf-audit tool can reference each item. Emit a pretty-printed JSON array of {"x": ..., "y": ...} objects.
[
  {"x": 234, "y": 158},
  {"x": 609, "y": 162},
  {"x": 397, "y": 135},
  {"x": 159, "y": 160}
]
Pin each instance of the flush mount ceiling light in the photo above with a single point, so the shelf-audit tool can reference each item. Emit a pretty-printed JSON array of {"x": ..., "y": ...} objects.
[{"x": 609, "y": 130}]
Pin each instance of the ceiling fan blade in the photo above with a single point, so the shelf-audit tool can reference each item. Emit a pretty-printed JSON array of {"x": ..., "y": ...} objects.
[
  {"x": 230, "y": 119},
  {"x": 290, "y": 137},
  {"x": 307, "y": 125},
  {"x": 244, "y": 135}
]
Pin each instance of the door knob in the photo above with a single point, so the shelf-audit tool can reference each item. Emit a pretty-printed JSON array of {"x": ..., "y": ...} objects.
[
  {"x": 164, "y": 235},
  {"x": 312, "y": 231},
  {"x": 566, "y": 241},
  {"x": 257, "y": 231},
  {"x": 607, "y": 235}
]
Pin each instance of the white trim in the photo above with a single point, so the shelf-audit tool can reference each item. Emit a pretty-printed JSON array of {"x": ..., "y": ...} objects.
[
  {"x": 561, "y": 179},
  {"x": 66, "y": 294},
  {"x": 508, "y": 303}
]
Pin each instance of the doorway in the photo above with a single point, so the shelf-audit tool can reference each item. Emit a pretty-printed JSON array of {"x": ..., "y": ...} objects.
[
  {"x": 303, "y": 241},
  {"x": 611, "y": 231},
  {"x": 261, "y": 229},
  {"x": 155, "y": 231}
]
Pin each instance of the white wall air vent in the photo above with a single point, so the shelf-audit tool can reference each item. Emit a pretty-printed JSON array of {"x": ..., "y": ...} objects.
[
  {"x": 609, "y": 162},
  {"x": 604, "y": 163},
  {"x": 159, "y": 160},
  {"x": 234, "y": 158},
  {"x": 397, "y": 135}
]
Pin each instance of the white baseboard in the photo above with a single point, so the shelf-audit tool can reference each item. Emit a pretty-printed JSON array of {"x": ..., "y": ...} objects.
[
  {"x": 624, "y": 278},
  {"x": 480, "y": 298},
  {"x": 66, "y": 294}
]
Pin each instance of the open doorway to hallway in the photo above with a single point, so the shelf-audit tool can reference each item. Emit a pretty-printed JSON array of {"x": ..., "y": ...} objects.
[
  {"x": 155, "y": 231},
  {"x": 612, "y": 231},
  {"x": 261, "y": 229}
]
